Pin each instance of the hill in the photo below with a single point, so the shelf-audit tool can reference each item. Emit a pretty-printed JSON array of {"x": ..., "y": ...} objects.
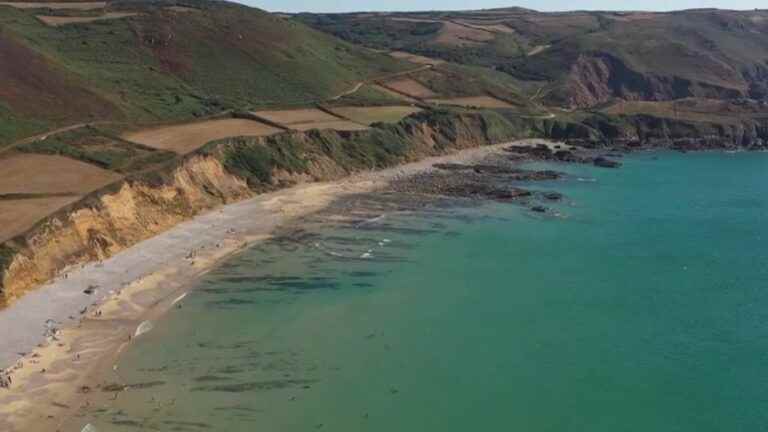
[
  {"x": 142, "y": 61},
  {"x": 584, "y": 59}
]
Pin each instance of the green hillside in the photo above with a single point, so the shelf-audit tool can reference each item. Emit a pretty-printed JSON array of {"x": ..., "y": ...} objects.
[{"x": 166, "y": 62}]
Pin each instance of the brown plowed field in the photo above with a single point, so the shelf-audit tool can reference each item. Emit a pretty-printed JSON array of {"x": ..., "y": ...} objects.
[
  {"x": 44, "y": 174},
  {"x": 306, "y": 119},
  {"x": 410, "y": 87},
  {"x": 188, "y": 137}
]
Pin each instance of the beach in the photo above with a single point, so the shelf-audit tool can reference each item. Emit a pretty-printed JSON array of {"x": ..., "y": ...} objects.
[{"x": 62, "y": 342}]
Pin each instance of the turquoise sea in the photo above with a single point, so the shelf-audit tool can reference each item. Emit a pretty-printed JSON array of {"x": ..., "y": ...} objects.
[{"x": 644, "y": 307}]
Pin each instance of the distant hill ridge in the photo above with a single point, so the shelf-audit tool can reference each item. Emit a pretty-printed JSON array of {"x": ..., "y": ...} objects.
[{"x": 585, "y": 58}]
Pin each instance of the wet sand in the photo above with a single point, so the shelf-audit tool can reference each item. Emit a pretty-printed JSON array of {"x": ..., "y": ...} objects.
[{"x": 54, "y": 376}]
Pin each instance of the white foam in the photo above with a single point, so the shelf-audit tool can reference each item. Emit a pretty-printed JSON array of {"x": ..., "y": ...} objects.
[
  {"x": 143, "y": 328},
  {"x": 178, "y": 299}
]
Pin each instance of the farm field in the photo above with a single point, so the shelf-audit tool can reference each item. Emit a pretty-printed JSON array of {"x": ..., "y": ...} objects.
[
  {"x": 56, "y": 21},
  {"x": 473, "y": 101},
  {"x": 370, "y": 115},
  {"x": 188, "y": 137},
  {"x": 393, "y": 94},
  {"x": 491, "y": 27},
  {"x": 456, "y": 35},
  {"x": 309, "y": 118},
  {"x": 339, "y": 125},
  {"x": 56, "y": 5},
  {"x": 410, "y": 87},
  {"x": 415, "y": 58},
  {"x": 17, "y": 216},
  {"x": 44, "y": 174}
]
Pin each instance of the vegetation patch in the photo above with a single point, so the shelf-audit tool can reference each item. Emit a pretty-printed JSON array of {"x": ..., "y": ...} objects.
[
  {"x": 99, "y": 148},
  {"x": 473, "y": 102},
  {"x": 327, "y": 154},
  {"x": 371, "y": 115}
]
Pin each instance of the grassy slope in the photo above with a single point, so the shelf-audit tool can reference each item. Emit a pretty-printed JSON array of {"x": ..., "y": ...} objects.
[{"x": 165, "y": 65}]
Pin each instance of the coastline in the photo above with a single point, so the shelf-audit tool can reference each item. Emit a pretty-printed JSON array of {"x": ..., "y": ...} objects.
[{"x": 140, "y": 284}]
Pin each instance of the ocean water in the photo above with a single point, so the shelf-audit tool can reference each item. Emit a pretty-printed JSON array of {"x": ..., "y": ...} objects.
[{"x": 642, "y": 307}]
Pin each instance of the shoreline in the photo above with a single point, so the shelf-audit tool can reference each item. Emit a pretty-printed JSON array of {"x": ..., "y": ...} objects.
[{"x": 54, "y": 377}]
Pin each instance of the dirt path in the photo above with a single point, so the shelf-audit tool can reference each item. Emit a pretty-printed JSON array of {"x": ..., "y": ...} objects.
[
  {"x": 360, "y": 84},
  {"x": 345, "y": 93},
  {"x": 45, "y": 135}
]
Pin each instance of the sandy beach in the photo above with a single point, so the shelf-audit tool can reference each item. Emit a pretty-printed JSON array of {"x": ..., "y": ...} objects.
[{"x": 61, "y": 343}]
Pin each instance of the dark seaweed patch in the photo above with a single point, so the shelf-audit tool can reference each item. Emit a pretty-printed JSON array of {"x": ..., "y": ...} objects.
[
  {"x": 231, "y": 302},
  {"x": 256, "y": 386},
  {"x": 115, "y": 387},
  {"x": 362, "y": 274},
  {"x": 187, "y": 424},
  {"x": 210, "y": 378}
]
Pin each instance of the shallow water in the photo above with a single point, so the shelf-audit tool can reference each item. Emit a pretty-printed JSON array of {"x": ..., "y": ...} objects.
[{"x": 644, "y": 307}]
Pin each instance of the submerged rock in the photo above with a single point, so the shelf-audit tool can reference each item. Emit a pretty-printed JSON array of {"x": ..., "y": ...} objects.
[{"x": 606, "y": 163}]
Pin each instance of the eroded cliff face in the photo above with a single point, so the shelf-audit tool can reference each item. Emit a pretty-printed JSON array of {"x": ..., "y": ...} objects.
[
  {"x": 135, "y": 209},
  {"x": 116, "y": 218},
  {"x": 597, "y": 78}
]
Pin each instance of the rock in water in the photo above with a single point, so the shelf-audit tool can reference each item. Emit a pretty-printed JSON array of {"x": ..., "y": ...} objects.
[{"x": 606, "y": 163}]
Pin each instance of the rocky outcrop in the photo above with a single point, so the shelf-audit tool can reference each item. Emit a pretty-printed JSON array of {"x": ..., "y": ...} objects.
[
  {"x": 137, "y": 208},
  {"x": 604, "y": 162}
]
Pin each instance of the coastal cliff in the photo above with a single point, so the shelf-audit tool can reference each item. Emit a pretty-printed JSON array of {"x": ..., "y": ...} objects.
[
  {"x": 599, "y": 130},
  {"x": 136, "y": 208}
]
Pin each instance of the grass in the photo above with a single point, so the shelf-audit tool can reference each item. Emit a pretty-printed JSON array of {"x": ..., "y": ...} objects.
[{"x": 13, "y": 128}]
